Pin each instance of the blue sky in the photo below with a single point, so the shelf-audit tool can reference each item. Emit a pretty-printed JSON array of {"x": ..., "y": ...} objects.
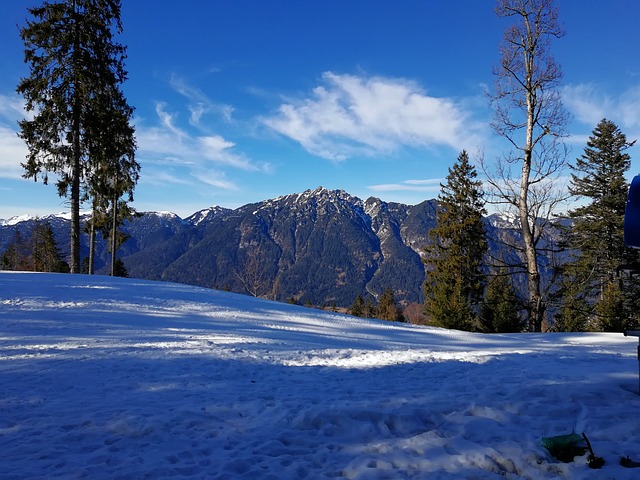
[{"x": 239, "y": 101}]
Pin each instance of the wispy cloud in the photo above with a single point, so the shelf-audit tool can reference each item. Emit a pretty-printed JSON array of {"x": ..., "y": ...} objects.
[
  {"x": 199, "y": 103},
  {"x": 218, "y": 180},
  {"x": 160, "y": 177},
  {"x": 166, "y": 144},
  {"x": 590, "y": 104},
  {"x": 13, "y": 150},
  {"x": 427, "y": 186},
  {"x": 350, "y": 115},
  {"x": 12, "y": 107}
]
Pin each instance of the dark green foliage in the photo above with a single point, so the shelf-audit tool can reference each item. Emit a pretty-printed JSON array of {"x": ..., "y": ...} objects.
[
  {"x": 370, "y": 309},
  {"x": 596, "y": 297},
  {"x": 357, "y": 308},
  {"x": 610, "y": 311},
  {"x": 455, "y": 281},
  {"x": 574, "y": 311},
  {"x": 16, "y": 255},
  {"x": 39, "y": 253},
  {"x": 80, "y": 116},
  {"x": 120, "y": 270},
  {"x": 500, "y": 312},
  {"x": 387, "y": 308},
  {"x": 45, "y": 254}
]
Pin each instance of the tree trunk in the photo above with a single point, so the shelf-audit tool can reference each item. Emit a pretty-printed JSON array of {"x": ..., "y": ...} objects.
[
  {"x": 114, "y": 227},
  {"x": 92, "y": 241},
  {"x": 74, "y": 264},
  {"x": 527, "y": 227}
]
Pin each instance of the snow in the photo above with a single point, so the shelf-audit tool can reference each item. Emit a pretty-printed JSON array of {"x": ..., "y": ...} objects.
[
  {"x": 27, "y": 218},
  {"x": 122, "y": 378},
  {"x": 17, "y": 219}
]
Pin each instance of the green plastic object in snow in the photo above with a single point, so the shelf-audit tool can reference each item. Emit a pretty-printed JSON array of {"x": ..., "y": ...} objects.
[{"x": 565, "y": 447}]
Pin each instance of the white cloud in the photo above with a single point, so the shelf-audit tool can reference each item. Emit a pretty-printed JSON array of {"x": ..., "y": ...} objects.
[
  {"x": 154, "y": 176},
  {"x": 13, "y": 150},
  {"x": 219, "y": 150},
  {"x": 199, "y": 103},
  {"x": 350, "y": 115},
  {"x": 166, "y": 144},
  {"x": 12, "y": 108},
  {"x": 630, "y": 108},
  {"x": 589, "y": 104},
  {"x": 427, "y": 186},
  {"x": 217, "y": 179},
  {"x": 586, "y": 103}
]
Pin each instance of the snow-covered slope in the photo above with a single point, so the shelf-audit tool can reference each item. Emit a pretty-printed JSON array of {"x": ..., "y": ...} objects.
[{"x": 121, "y": 378}]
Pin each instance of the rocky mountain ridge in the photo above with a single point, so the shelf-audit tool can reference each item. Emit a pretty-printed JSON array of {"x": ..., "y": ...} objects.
[{"x": 319, "y": 247}]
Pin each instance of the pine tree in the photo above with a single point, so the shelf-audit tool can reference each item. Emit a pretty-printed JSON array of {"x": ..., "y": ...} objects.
[
  {"x": 455, "y": 281},
  {"x": 45, "y": 254},
  {"x": 610, "y": 310},
  {"x": 37, "y": 253},
  {"x": 594, "y": 291},
  {"x": 500, "y": 312},
  {"x": 16, "y": 255},
  {"x": 76, "y": 69},
  {"x": 119, "y": 270},
  {"x": 387, "y": 307},
  {"x": 370, "y": 310},
  {"x": 357, "y": 308},
  {"x": 114, "y": 170},
  {"x": 575, "y": 312}
]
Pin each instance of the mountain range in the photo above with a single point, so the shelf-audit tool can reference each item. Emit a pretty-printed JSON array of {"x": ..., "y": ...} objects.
[{"x": 320, "y": 247}]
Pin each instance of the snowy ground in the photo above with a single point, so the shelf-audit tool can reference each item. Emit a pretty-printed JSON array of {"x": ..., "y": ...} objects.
[{"x": 116, "y": 378}]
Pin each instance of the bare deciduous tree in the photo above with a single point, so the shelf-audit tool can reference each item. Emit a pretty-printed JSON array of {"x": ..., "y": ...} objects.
[
  {"x": 529, "y": 115},
  {"x": 251, "y": 270}
]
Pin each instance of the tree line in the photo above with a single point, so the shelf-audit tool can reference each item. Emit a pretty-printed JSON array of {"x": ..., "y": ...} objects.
[
  {"x": 38, "y": 253},
  {"x": 466, "y": 289}
]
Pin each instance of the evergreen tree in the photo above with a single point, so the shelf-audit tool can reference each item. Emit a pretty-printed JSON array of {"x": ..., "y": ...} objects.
[
  {"x": 500, "y": 312},
  {"x": 387, "y": 308},
  {"x": 76, "y": 69},
  {"x": 357, "y": 308},
  {"x": 575, "y": 312},
  {"x": 121, "y": 213},
  {"x": 39, "y": 253},
  {"x": 611, "y": 315},
  {"x": 45, "y": 254},
  {"x": 119, "y": 270},
  {"x": 455, "y": 281},
  {"x": 593, "y": 290},
  {"x": 115, "y": 171},
  {"x": 16, "y": 255},
  {"x": 370, "y": 310}
]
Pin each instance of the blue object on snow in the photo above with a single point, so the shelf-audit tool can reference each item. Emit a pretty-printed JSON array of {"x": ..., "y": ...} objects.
[{"x": 632, "y": 215}]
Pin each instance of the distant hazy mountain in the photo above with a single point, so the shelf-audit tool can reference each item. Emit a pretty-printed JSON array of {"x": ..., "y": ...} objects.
[{"x": 321, "y": 247}]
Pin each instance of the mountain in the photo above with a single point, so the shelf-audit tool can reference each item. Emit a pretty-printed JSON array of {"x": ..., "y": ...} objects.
[{"x": 319, "y": 247}]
